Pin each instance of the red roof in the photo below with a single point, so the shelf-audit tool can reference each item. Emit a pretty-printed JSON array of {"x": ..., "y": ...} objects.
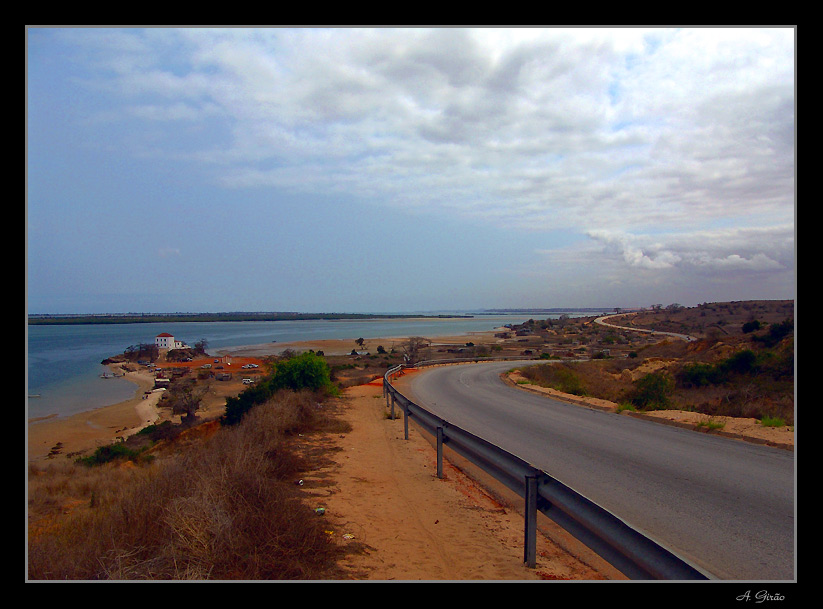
[{"x": 164, "y": 334}]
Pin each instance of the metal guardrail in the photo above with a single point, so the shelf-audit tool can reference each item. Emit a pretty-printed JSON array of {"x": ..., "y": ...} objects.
[{"x": 628, "y": 550}]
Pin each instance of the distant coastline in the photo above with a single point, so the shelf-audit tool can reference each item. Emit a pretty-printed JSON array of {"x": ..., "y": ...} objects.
[
  {"x": 42, "y": 319},
  {"x": 137, "y": 318}
]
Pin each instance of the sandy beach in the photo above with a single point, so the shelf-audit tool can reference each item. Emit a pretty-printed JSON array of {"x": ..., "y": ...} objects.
[
  {"x": 60, "y": 436},
  {"x": 85, "y": 431}
]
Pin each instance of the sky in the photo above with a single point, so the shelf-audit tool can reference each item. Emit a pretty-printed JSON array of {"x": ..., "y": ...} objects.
[{"x": 406, "y": 170}]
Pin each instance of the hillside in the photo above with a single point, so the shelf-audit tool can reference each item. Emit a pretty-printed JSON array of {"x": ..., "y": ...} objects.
[{"x": 740, "y": 365}]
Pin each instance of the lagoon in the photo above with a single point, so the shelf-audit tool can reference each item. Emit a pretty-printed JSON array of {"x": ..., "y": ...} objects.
[{"x": 63, "y": 375}]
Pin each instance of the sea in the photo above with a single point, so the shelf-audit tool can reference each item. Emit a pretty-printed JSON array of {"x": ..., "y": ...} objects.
[{"x": 65, "y": 374}]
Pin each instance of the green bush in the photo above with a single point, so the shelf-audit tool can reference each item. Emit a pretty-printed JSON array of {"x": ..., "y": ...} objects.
[
  {"x": 699, "y": 375},
  {"x": 768, "y": 421},
  {"x": 742, "y": 362},
  {"x": 305, "y": 371},
  {"x": 751, "y": 326},
  {"x": 105, "y": 454},
  {"x": 652, "y": 391},
  {"x": 776, "y": 333}
]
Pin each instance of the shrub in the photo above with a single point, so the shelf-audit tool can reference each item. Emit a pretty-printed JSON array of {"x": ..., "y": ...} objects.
[
  {"x": 225, "y": 508},
  {"x": 767, "y": 421},
  {"x": 110, "y": 452},
  {"x": 742, "y": 362},
  {"x": 652, "y": 391},
  {"x": 751, "y": 326},
  {"x": 560, "y": 377},
  {"x": 776, "y": 333},
  {"x": 701, "y": 375},
  {"x": 698, "y": 375},
  {"x": 306, "y": 371}
]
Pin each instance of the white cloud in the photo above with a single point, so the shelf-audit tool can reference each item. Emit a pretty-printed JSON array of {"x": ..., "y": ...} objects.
[
  {"x": 707, "y": 252},
  {"x": 539, "y": 128}
]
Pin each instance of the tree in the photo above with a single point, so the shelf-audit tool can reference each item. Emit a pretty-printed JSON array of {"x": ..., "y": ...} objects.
[
  {"x": 143, "y": 351},
  {"x": 186, "y": 397},
  {"x": 305, "y": 371},
  {"x": 412, "y": 348}
]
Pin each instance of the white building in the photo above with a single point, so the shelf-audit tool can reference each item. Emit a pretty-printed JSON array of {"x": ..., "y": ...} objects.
[{"x": 166, "y": 341}]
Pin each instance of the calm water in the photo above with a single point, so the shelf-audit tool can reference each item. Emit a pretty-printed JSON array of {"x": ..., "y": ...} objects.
[{"x": 64, "y": 361}]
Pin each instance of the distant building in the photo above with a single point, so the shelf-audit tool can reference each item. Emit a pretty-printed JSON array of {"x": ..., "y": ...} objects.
[{"x": 166, "y": 341}]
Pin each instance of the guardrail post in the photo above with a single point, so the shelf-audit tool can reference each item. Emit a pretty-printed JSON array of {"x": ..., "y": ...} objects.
[
  {"x": 530, "y": 517},
  {"x": 392, "y": 407},
  {"x": 440, "y": 452},
  {"x": 626, "y": 549}
]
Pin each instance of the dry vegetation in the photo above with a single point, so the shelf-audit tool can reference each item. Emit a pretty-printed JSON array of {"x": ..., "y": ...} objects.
[
  {"x": 741, "y": 365},
  {"x": 217, "y": 502}
]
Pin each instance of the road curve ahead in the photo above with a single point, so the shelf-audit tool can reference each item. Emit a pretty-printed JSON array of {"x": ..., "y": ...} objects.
[
  {"x": 724, "y": 505},
  {"x": 603, "y": 322}
]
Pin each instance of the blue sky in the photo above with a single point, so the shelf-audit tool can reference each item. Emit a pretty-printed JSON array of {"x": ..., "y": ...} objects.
[{"x": 393, "y": 170}]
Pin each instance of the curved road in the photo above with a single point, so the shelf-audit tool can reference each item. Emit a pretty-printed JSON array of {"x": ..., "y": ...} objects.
[
  {"x": 602, "y": 321},
  {"x": 724, "y": 505}
]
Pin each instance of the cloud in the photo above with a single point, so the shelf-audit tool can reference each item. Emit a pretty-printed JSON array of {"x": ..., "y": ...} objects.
[
  {"x": 623, "y": 150},
  {"x": 537, "y": 128},
  {"x": 720, "y": 251}
]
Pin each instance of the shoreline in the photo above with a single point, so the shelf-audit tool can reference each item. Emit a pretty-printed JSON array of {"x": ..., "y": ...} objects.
[{"x": 53, "y": 436}]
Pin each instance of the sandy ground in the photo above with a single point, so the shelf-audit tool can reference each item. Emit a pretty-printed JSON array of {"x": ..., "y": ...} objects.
[
  {"x": 383, "y": 496},
  {"x": 85, "y": 430}
]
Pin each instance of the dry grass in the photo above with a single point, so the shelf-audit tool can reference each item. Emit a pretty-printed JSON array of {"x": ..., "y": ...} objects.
[
  {"x": 769, "y": 393},
  {"x": 221, "y": 508}
]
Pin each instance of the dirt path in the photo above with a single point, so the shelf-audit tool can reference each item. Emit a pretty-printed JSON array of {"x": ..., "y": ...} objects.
[{"x": 383, "y": 496}]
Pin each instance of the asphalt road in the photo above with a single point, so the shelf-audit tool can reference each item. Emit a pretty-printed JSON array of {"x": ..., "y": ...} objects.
[{"x": 725, "y": 505}]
